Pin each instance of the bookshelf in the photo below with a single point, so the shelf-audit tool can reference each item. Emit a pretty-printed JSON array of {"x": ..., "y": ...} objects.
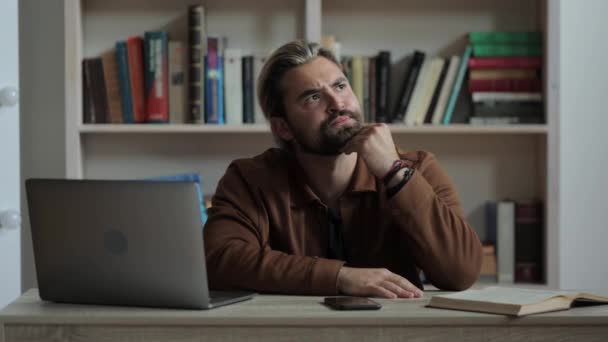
[{"x": 485, "y": 162}]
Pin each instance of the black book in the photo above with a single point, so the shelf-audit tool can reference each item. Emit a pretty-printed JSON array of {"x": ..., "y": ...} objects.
[
  {"x": 248, "y": 101},
  {"x": 197, "y": 45},
  {"x": 407, "y": 88},
  {"x": 383, "y": 70},
  {"x": 95, "y": 95},
  {"x": 529, "y": 241}
]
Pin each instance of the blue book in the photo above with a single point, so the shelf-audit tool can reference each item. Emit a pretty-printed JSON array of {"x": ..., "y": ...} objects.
[
  {"x": 464, "y": 61},
  {"x": 220, "y": 91},
  {"x": 125, "y": 83},
  {"x": 188, "y": 177}
]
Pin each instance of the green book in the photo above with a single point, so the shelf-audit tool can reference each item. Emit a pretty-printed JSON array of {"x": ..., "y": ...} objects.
[
  {"x": 502, "y": 50},
  {"x": 529, "y": 38}
]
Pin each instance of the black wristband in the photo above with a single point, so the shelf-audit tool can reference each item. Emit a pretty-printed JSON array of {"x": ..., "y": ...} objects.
[{"x": 390, "y": 192}]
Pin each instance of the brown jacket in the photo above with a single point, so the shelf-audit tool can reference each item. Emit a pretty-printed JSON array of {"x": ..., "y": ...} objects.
[{"x": 267, "y": 230}]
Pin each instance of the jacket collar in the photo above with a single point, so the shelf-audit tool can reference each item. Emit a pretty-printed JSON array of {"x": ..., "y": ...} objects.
[{"x": 362, "y": 181}]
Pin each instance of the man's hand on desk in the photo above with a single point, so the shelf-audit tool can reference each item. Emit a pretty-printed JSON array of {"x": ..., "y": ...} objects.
[{"x": 375, "y": 282}]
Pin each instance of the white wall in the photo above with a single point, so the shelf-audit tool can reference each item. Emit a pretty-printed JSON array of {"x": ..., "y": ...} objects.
[
  {"x": 42, "y": 75},
  {"x": 583, "y": 163}
]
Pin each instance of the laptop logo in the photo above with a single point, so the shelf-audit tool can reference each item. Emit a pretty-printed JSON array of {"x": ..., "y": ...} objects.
[{"x": 115, "y": 242}]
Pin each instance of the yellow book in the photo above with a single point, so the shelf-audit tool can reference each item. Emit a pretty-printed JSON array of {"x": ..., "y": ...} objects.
[
  {"x": 514, "y": 301},
  {"x": 498, "y": 74},
  {"x": 358, "y": 79}
]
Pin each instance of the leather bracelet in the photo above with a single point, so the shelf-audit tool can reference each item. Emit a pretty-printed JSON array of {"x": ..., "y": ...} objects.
[
  {"x": 390, "y": 192},
  {"x": 397, "y": 165}
]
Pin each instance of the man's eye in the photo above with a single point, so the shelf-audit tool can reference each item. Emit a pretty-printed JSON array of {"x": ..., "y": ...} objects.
[
  {"x": 315, "y": 97},
  {"x": 341, "y": 85}
]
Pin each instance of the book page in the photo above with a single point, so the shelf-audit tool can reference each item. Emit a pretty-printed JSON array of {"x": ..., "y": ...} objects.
[{"x": 507, "y": 295}]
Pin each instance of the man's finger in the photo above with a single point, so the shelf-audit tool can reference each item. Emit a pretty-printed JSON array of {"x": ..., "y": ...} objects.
[
  {"x": 398, "y": 290},
  {"x": 379, "y": 291},
  {"x": 406, "y": 285}
]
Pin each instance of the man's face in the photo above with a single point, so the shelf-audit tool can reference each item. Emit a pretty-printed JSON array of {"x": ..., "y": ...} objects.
[{"x": 321, "y": 109}]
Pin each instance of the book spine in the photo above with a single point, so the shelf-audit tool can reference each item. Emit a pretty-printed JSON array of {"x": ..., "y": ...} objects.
[
  {"x": 410, "y": 114},
  {"x": 505, "y": 63},
  {"x": 506, "y": 96},
  {"x": 258, "y": 113},
  {"x": 98, "y": 87},
  {"x": 177, "y": 83},
  {"x": 511, "y": 74},
  {"x": 373, "y": 95},
  {"x": 498, "y": 37},
  {"x": 508, "y": 108},
  {"x": 497, "y": 50},
  {"x": 446, "y": 89},
  {"x": 136, "y": 77},
  {"x": 125, "y": 82},
  {"x": 248, "y": 101},
  {"x": 405, "y": 94},
  {"x": 221, "y": 115},
  {"x": 457, "y": 85},
  {"x": 490, "y": 221},
  {"x": 212, "y": 83},
  {"x": 506, "y": 85},
  {"x": 428, "y": 89},
  {"x": 110, "y": 73},
  {"x": 197, "y": 37},
  {"x": 365, "y": 80},
  {"x": 505, "y": 214},
  {"x": 88, "y": 109},
  {"x": 357, "y": 67},
  {"x": 528, "y": 241},
  {"x": 383, "y": 66},
  {"x": 435, "y": 97},
  {"x": 156, "y": 76},
  {"x": 234, "y": 86}
]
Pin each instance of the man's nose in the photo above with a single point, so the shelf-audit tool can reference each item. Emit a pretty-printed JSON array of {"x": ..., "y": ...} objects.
[{"x": 334, "y": 103}]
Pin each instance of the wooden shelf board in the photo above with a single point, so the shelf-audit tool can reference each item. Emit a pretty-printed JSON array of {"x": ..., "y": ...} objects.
[{"x": 264, "y": 128}]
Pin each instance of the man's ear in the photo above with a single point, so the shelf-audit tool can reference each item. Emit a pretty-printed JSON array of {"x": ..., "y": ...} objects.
[{"x": 281, "y": 128}]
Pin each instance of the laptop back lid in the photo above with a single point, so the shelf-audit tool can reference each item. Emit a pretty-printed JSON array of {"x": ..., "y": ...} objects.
[{"x": 118, "y": 242}]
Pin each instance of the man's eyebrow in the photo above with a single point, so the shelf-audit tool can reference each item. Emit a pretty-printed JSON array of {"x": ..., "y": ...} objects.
[
  {"x": 340, "y": 79},
  {"x": 309, "y": 92}
]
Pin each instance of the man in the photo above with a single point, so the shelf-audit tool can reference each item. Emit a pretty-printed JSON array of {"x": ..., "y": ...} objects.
[{"x": 337, "y": 209}]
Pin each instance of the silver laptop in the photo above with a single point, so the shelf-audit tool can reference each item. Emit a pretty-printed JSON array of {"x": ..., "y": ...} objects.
[{"x": 135, "y": 243}]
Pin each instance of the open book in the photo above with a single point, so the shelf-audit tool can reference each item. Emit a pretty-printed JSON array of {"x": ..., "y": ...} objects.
[{"x": 514, "y": 301}]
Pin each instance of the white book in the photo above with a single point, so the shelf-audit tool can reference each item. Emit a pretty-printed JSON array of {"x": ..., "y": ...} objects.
[
  {"x": 233, "y": 86},
  {"x": 506, "y": 96},
  {"x": 505, "y": 241},
  {"x": 410, "y": 114},
  {"x": 446, "y": 90},
  {"x": 258, "y": 64},
  {"x": 178, "y": 104},
  {"x": 428, "y": 89}
]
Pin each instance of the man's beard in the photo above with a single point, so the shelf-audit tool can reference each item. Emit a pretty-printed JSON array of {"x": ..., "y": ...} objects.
[{"x": 330, "y": 141}]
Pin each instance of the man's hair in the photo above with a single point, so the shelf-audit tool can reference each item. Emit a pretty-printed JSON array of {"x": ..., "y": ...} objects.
[{"x": 285, "y": 58}]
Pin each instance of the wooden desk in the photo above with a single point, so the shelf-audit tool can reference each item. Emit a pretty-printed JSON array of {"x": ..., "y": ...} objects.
[{"x": 287, "y": 318}]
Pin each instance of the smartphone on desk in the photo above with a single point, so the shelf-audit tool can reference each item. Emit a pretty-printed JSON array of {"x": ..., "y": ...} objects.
[{"x": 351, "y": 303}]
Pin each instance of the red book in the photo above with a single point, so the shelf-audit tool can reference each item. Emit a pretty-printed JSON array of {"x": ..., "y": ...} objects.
[
  {"x": 505, "y": 62},
  {"x": 510, "y": 85},
  {"x": 136, "y": 74}
]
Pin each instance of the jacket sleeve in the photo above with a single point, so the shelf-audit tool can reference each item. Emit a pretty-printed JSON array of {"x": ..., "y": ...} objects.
[
  {"x": 239, "y": 256},
  {"x": 429, "y": 214}
]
